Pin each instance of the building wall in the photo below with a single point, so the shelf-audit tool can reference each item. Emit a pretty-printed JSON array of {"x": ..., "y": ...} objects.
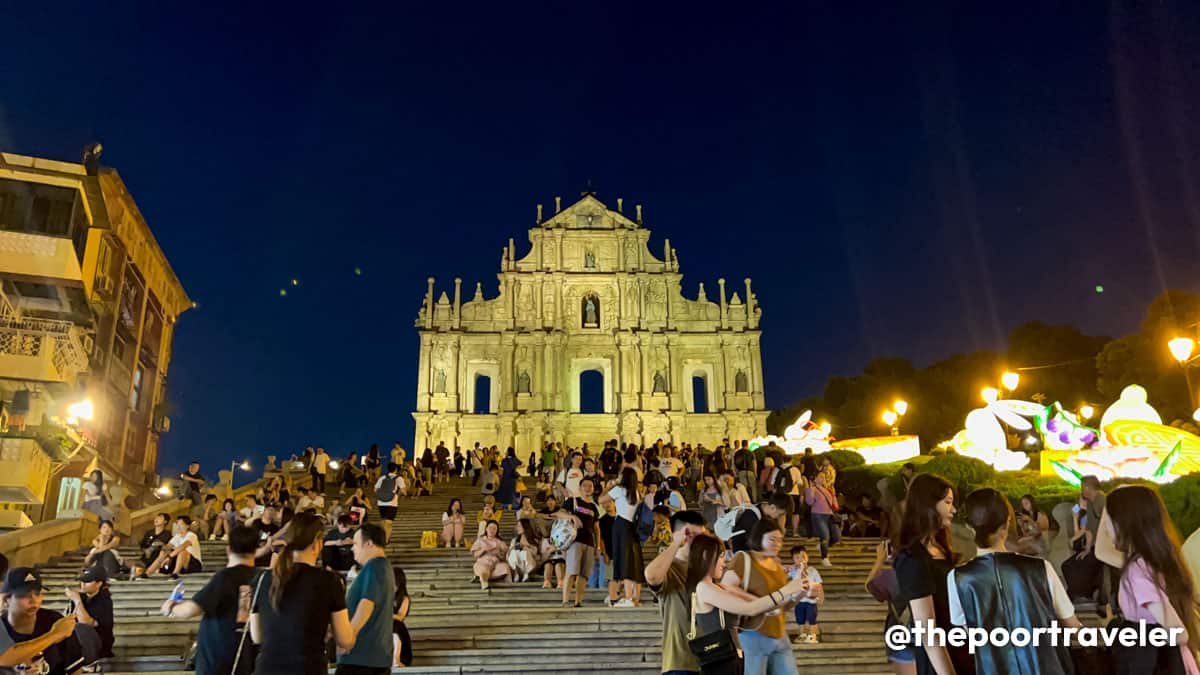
[
  {"x": 129, "y": 300},
  {"x": 589, "y": 295}
]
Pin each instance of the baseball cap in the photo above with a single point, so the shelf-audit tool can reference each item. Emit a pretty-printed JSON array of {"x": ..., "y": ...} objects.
[
  {"x": 93, "y": 573},
  {"x": 21, "y": 581}
]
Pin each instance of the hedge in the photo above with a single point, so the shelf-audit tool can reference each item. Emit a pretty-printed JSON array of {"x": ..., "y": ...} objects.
[{"x": 1181, "y": 497}]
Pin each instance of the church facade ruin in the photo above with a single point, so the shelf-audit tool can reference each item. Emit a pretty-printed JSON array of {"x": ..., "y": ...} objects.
[{"x": 589, "y": 339}]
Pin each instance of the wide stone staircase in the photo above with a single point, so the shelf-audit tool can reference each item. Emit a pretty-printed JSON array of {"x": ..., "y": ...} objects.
[{"x": 517, "y": 628}]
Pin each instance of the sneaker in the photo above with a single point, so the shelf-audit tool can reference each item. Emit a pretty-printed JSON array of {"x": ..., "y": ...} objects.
[
  {"x": 825, "y": 562},
  {"x": 811, "y": 639},
  {"x": 608, "y": 602},
  {"x": 211, "y": 537},
  {"x": 624, "y": 602},
  {"x": 224, "y": 537}
]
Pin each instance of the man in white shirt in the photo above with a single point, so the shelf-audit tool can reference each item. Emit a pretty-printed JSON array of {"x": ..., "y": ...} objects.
[
  {"x": 668, "y": 465},
  {"x": 182, "y": 555},
  {"x": 320, "y": 466},
  {"x": 252, "y": 511},
  {"x": 571, "y": 476}
]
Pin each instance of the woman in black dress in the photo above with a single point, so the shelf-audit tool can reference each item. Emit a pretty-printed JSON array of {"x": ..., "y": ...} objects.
[
  {"x": 924, "y": 560},
  {"x": 403, "y": 642},
  {"x": 628, "y": 567}
]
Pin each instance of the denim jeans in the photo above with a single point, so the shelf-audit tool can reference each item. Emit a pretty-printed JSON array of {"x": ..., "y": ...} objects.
[
  {"x": 596, "y": 579},
  {"x": 767, "y": 655},
  {"x": 827, "y": 531}
]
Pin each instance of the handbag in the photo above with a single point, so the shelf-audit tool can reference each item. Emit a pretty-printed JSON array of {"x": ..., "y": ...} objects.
[
  {"x": 748, "y": 620},
  {"x": 717, "y": 652}
]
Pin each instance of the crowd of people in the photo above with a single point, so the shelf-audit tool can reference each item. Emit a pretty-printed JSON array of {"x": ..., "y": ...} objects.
[{"x": 307, "y": 581}]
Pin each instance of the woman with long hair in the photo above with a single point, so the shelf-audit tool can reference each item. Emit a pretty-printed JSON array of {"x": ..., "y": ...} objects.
[
  {"x": 1031, "y": 527},
  {"x": 490, "y": 552},
  {"x": 294, "y": 605},
  {"x": 401, "y": 641},
  {"x": 758, "y": 572},
  {"x": 999, "y": 589},
  {"x": 628, "y": 567},
  {"x": 227, "y": 518},
  {"x": 523, "y": 552},
  {"x": 104, "y": 552},
  {"x": 95, "y": 496},
  {"x": 922, "y": 563},
  {"x": 710, "y": 501},
  {"x": 712, "y": 601},
  {"x": 453, "y": 521},
  {"x": 351, "y": 472},
  {"x": 1137, "y": 536},
  {"x": 373, "y": 466}
]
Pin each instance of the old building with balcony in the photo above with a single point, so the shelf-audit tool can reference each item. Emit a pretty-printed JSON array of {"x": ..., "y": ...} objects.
[{"x": 88, "y": 304}]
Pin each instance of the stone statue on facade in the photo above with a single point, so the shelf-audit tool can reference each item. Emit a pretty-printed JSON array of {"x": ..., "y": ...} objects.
[
  {"x": 590, "y": 317},
  {"x": 439, "y": 381},
  {"x": 589, "y": 260},
  {"x": 740, "y": 382},
  {"x": 660, "y": 382},
  {"x": 523, "y": 382}
]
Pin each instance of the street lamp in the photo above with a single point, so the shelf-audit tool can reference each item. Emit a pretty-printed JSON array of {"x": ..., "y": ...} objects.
[
  {"x": 1010, "y": 380},
  {"x": 900, "y": 406},
  {"x": 1181, "y": 348},
  {"x": 333, "y": 464},
  {"x": 244, "y": 466},
  {"x": 83, "y": 410},
  {"x": 1086, "y": 412},
  {"x": 163, "y": 491},
  {"x": 890, "y": 417},
  {"x": 990, "y": 394}
]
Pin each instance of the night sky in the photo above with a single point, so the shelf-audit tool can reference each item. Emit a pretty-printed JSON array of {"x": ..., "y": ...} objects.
[{"x": 896, "y": 184}]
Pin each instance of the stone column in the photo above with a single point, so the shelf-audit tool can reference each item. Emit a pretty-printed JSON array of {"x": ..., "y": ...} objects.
[
  {"x": 724, "y": 309},
  {"x": 457, "y": 303},
  {"x": 423, "y": 375},
  {"x": 429, "y": 304},
  {"x": 750, "y": 320},
  {"x": 756, "y": 383}
]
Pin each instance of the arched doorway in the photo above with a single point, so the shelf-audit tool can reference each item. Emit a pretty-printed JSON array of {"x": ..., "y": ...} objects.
[
  {"x": 483, "y": 395},
  {"x": 591, "y": 392},
  {"x": 699, "y": 394}
]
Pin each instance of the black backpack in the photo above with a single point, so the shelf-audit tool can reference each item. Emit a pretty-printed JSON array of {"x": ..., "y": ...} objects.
[
  {"x": 387, "y": 489},
  {"x": 784, "y": 481}
]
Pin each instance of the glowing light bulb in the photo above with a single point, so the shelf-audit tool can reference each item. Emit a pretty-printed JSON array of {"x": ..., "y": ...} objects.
[
  {"x": 1010, "y": 380},
  {"x": 890, "y": 417},
  {"x": 245, "y": 466},
  {"x": 826, "y": 427},
  {"x": 990, "y": 394},
  {"x": 83, "y": 410},
  {"x": 901, "y": 407},
  {"x": 1086, "y": 412},
  {"x": 1181, "y": 348}
]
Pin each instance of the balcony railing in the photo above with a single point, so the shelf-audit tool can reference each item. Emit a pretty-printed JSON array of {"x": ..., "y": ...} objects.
[{"x": 44, "y": 340}]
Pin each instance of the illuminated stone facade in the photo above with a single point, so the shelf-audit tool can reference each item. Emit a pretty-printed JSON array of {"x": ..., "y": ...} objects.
[{"x": 588, "y": 296}]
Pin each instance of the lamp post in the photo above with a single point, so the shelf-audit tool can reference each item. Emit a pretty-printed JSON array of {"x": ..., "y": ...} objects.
[
  {"x": 234, "y": 466},
  {"x": 891, "y": 417},
  {"x": 1181, "y": 348},
  {"x": 1086, "y": 412}
]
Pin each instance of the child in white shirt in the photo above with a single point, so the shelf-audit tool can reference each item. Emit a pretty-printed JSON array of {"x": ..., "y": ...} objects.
[{"x": 806, "y": 608}]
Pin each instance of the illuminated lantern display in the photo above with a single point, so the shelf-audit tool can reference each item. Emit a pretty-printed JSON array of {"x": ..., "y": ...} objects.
[
  {"x": 799, "y": 436},
  {"x": 1131, "y": 406},
  {"x": 882, "y": 449}
]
